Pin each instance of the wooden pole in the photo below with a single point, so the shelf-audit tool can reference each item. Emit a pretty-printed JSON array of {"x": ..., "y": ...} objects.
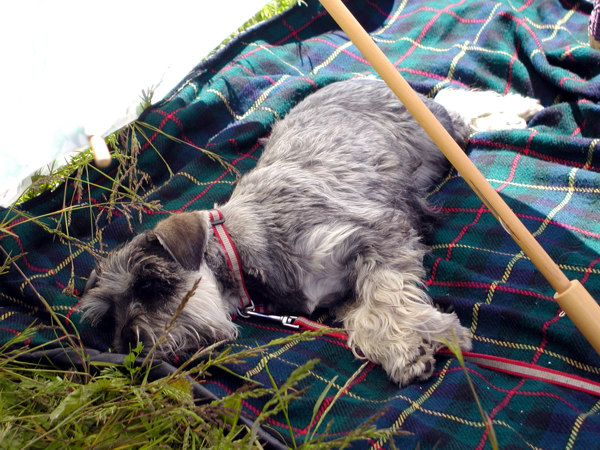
[
  {"x": 571, "y": 296},
  {"x": 100, "y": 151}
]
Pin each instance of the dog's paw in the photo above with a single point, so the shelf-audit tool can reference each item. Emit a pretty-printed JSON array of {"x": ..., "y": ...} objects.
[
  {"x": 512, "y": 113},
  {"x": 406, "y": 358},
  {"x": 527, "y": 107},
  {"x": 419, "y": 363},
  {"x": 463, "y": 335},
  {"x": 419, "y": 367},
  {"x": 498, "y": 121},
  {"x": 404, "y": 355},
  {"x": 452, "y": 333}
]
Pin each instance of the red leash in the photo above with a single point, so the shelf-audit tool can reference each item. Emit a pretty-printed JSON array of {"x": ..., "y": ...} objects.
[{"x": 504, "y": 365}]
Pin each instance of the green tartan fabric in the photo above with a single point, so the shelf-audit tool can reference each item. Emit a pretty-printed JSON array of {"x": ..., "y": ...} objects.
[{"x": 549, "y": 174}]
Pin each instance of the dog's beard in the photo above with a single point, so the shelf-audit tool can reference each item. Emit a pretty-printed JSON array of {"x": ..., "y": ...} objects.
[
  {"x": 184, "y": 323},
  {"x": 204, "y": 320},
  {"x": 185, "y": 338}
]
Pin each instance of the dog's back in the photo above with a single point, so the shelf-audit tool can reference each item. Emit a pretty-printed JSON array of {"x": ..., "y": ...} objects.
[
  {"x": 351, "y": 150},
  {"x": 361, "y": 123}
]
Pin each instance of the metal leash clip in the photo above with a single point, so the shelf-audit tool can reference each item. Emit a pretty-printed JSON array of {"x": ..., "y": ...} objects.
[{"x": 288, "y": 321}]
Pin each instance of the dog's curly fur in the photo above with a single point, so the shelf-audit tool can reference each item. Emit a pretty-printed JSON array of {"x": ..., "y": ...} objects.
[{"x": 333, "y": 216}]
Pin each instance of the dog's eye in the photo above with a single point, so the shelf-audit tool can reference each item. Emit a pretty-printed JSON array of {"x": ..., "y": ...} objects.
[
  {"x": 154, "y": 285},
  {"x": 150, "y": 290},
  {"x": 146, "y": 286}
]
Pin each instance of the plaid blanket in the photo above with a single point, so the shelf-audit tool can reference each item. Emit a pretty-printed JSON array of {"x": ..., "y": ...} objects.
[{"x": 549, "y": 174}]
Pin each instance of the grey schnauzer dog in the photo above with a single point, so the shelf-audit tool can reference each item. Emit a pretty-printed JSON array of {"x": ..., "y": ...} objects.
[{"x": 331, "y": 216}]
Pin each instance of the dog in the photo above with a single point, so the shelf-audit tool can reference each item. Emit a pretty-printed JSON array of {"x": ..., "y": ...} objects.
[{"x": 332, "y": 216}]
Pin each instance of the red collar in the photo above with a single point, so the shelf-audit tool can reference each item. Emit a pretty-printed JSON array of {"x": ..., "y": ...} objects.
[
  {"x": 217, "y": 221},
  {"x": 246, "y": 307}
]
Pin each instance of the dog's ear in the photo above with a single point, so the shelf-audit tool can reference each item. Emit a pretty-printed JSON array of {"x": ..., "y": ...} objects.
[
  {"x": 92, "y": 281},
  {"x": 184, "y": 236}
]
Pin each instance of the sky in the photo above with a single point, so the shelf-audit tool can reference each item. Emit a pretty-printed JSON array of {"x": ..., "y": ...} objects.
[{"x": 72, "y": 68}]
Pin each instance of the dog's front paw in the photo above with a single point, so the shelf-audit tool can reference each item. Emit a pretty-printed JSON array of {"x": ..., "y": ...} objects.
[
  {"x": 419, "y": 366},
  {"x": 452, "y": 333},
  {"x": 418, "y": 363},
  {"x": 404, "y": 355},
  {"x": 463, "y": 336}
]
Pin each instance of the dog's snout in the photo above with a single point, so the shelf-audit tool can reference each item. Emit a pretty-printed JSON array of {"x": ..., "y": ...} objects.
[{"x": 128, "y": 339}]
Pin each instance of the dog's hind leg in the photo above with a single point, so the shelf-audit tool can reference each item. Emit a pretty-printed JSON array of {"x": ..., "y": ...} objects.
[
  {"x": 489, "y": 110},
  {"x": 393, "y": 322}
]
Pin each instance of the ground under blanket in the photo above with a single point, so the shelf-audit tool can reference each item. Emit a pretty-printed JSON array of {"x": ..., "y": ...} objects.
[{"x": 549, "y": 174}]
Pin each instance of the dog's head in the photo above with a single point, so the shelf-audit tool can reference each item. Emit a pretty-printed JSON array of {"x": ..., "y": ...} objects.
[{"x": 158, "y": 290}]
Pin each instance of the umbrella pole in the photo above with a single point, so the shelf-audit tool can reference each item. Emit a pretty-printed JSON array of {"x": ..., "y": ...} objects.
[{"x": 571, "y": 296}]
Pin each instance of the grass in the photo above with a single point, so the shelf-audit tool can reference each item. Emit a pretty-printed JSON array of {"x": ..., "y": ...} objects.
[{"x": 119, "y": 407}]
